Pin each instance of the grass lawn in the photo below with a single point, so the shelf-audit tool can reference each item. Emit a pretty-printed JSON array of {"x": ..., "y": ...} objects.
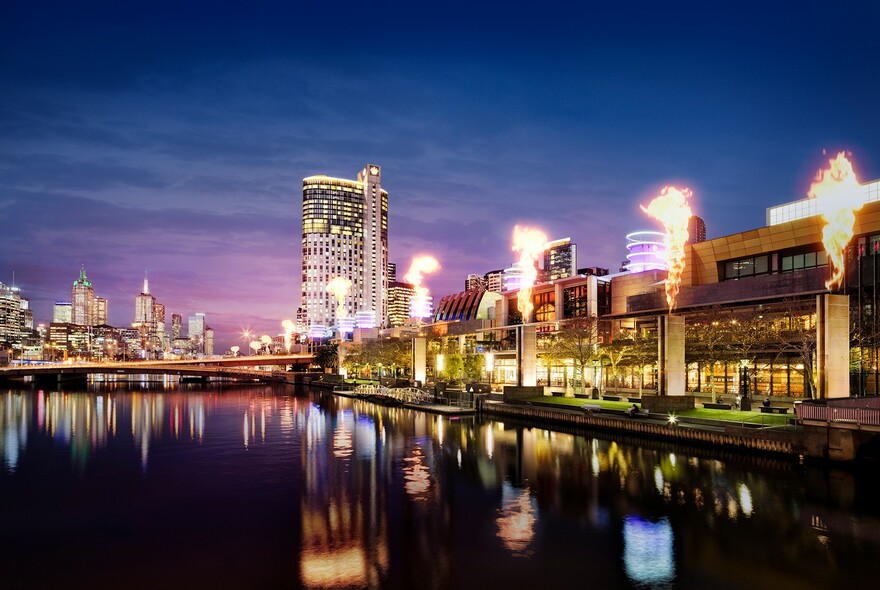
[{"x": 738, "y": 416}]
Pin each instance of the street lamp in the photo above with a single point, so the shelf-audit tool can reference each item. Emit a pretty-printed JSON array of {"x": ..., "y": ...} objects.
[
  {"x": 490, "y": 366},
  {"x": 246, "y": 335}
]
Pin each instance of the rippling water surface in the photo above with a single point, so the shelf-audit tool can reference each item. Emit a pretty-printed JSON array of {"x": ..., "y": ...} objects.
[{"x": 151, "y": 486}]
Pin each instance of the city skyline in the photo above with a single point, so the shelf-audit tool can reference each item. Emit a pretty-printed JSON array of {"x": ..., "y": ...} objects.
[{"x": 177, "y": 145}]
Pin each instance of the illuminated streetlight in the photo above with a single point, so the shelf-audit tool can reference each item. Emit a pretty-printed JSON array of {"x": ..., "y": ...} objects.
[{"x": 246, "y": 335}]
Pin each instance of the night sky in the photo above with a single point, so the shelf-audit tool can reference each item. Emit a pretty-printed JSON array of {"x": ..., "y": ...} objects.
[{"x": 174, "y": 139}]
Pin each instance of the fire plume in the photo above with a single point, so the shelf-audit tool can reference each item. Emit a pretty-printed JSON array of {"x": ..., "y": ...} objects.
[
  {"x": 420, "y": 306},
  {"x": 671, "y": 209},
  {"x": 339, "y": 287},
  {"x": 838, "y": 196},
  {"x": 288, "y": 333},
  {"x": 530, "y": 243}
]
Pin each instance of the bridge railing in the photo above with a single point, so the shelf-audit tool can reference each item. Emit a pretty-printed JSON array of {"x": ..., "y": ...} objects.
[{"x": 819, "y": 413}]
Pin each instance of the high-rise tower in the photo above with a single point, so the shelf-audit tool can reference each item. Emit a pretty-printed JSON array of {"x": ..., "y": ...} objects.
[
  {"x": 345, "y": 234},
  {"x": 82, "y": 300}
]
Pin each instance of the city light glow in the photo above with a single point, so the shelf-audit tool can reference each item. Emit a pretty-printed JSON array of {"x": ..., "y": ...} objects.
[
  {"x": 838, "y": 196},
  {"x": 671, "y": 209}
]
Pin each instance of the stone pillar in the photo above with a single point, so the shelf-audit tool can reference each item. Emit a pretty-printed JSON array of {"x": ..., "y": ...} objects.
[
  {"x": 558, "y": 298},
  {"x": 420, "y": 359},
  {"x": 670, "y": 355},
  {"x": 832, "y": 346},
  {"x": 526, "y": 356}
]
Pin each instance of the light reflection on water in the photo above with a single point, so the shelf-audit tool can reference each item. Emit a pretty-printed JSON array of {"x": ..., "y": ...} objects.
[{"x": 387, "y": 497}]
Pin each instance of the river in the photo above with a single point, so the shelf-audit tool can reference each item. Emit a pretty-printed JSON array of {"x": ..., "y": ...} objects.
[{"x": 162, "y": 485}]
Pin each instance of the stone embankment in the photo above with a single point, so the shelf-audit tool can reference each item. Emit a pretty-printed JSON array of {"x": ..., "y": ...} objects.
[{"x": 777, "y": 441}]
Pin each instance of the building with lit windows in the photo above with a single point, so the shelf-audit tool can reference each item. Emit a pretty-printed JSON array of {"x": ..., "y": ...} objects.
[
  {"x": 399, "y": 297},
  {"x": 474, "y": 281},
  {"x": 13, "y": 316},
  {"x": 345, "y": 234},
  {"x": 560, "y": 260},
  {"x": 176, "y": 321},
  {"x": 61, "y": 312},
  {"x": 494, "y": 280},
  {"x": 101, "y": 311},
  {"x": 83, "y": 300}
]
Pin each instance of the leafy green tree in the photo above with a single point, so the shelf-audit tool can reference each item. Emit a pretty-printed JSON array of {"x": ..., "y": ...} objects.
[
  {"x": 576, "y": 339},
  {"x": 327, "y": 356}
]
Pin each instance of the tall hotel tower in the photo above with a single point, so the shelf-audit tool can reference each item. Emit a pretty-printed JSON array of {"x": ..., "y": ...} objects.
[{"x": 345, "y": 234}]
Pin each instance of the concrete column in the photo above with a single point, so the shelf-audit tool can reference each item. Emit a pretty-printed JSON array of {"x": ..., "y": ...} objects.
[
  {"x": 670, "y": 355},
  {"x": 558, "y": 301},
  {"x": 526, "y": 356},
  {"x": 832, "y": 346},
  {"x": 420, "y": 359},
  {"x": 502, "y": 321}
]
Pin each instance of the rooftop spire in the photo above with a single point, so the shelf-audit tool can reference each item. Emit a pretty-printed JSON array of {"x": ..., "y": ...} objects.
[{"x": 146, "y": 284}]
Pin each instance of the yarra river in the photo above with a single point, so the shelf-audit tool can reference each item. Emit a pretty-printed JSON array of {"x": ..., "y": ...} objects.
[{"x": 245, "y": 486}]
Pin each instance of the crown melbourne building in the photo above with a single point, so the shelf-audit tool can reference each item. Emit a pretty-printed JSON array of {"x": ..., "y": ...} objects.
[{"x": 345, "y": 234}]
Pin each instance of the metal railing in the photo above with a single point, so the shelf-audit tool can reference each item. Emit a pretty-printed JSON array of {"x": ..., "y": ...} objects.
[{"x": 819, "y": 413}]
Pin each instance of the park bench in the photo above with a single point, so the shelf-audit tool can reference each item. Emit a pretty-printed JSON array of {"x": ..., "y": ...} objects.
[
  {"x": 713, "y": 406},
  {"x": 611, "y": 398},
  {"x": 773, "y": 410}
]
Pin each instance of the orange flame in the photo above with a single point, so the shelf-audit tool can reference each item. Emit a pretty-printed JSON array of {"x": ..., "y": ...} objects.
[
  {"x": 339, "y": 287},
  {"x": 288, "y": 333},
  {"x": 421, "y": 265},
  {"x": 838, "y": 196},
  {"x": 530, "y": 244},
  {"x": 672, "y": 210}
]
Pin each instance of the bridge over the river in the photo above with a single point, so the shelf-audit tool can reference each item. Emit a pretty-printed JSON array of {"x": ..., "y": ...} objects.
[{"x": 266, "y": 368}]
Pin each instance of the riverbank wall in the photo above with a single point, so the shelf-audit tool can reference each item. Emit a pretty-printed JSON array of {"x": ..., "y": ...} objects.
[{"x": 756, "y": 440}]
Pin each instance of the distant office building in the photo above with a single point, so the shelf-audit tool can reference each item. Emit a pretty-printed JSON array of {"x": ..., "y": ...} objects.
[
  {"x": 593, "y": 271},
  {"x": 560, "y": 260},
  {"x": 101, "y": 311},
  {"x": 392, "y": 272},
  {"x": 474, "y": 281},
  {"x": 12, "y": 320},
  {"x": 196, "y": 325},
  {"x": 494, "y": 281},
  {"x": 160, "y": 319},
  {"x": 399, "y": 297},
  {"x": 696, "y": 230},
  {"x": 62, "y": 312},
  {"x": 176, "y": 320},
  {"x": 209, "y": 340},
  {"x": 345, "y": 234},
  {"x": 82, "y": 298}
]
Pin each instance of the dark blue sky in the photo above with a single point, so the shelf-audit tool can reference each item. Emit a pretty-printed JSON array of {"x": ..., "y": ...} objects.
[{"x": 174, "y": 140}]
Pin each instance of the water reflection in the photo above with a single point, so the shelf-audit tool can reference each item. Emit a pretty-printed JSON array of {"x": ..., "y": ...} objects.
[
  {"x": 85, "y": 422},
  {"x": 366, "y": 496},
  {"x": 648, "y": 551},
  {"x": 516, "y": 525}
]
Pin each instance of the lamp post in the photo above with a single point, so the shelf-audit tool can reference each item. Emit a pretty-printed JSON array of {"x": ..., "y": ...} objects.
[
  {"x": 490, "y": 366},
  {"x": 246, "y": 335}
]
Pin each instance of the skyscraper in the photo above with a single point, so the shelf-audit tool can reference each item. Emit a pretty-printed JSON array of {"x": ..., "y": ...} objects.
[
  {"x": 83, "y": 300},
  {"x": 696, "y": 230},
  {"x": 399, "y": 297},
  {"x": 61, "y": 313},
  {"x": 560, "y": 260},
  {"x": 474, "y": 281},
  {"x": 345, "y": 234},
  {"x": 176, "y": 320},
  {"x": 101, "y": 311}
]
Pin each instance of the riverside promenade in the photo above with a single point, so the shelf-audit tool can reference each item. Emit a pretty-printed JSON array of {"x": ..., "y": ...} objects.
[{"x": 761, "y": 434}]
